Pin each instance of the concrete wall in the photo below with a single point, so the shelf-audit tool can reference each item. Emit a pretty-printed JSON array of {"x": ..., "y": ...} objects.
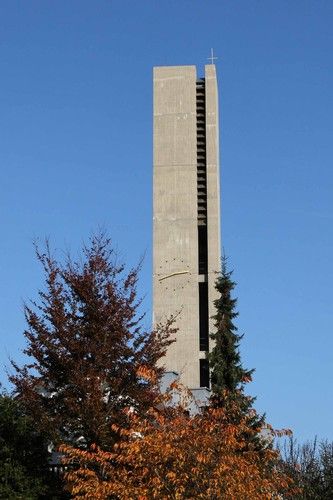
[
  {"x": 213, "y": 186},
  {"x": 175, "y": 240}
]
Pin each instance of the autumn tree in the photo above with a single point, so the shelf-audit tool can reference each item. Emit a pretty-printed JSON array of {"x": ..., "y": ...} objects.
[
  {"x": 85, "y": 341},
  {"x": 178, "y": 456}
]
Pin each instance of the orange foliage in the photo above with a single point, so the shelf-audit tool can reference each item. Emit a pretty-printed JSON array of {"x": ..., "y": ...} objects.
[{"x": 171, "y": 455}]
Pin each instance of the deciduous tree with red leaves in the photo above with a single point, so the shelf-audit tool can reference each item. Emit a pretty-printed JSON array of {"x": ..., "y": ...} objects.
[
  {"x": 173, "y": 455},
  {"x": 85, "y": 342}
]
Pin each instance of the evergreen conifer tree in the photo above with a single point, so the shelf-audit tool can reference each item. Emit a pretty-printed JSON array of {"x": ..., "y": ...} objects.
[{"x": 228, "y": 376}]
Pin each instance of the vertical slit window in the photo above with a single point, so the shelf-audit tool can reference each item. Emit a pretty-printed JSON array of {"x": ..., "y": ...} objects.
[
  {"x": 204, "y": 373},
  {"x": 203, "y": 250},
  {"x": 203, "y": 317}
]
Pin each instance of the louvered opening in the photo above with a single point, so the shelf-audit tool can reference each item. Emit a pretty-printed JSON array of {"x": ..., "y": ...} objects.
[
  {"x": 201, "y": 178},
  {"x": 201, "y": 154}
]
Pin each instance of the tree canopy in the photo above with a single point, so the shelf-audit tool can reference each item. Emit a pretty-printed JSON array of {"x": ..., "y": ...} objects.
[
  {"x": 311, "y": 466},
  {"x": 227, "y": 372},
  {"x": 173, "y": 455},
  {"x": 23, "y": 454},
  {"x": 85, "y": 341}
]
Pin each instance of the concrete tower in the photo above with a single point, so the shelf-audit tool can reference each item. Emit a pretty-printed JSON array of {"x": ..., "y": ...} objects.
[{"x": 186, "y": 243}]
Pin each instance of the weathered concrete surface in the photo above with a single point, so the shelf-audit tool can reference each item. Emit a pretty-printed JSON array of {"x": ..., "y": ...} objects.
[
  {"x": 213, "y": 185},
  {"x": 175, "y": 241}
]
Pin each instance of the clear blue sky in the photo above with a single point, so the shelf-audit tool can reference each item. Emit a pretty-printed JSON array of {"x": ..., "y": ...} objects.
[{"x": 76, "y": 154}]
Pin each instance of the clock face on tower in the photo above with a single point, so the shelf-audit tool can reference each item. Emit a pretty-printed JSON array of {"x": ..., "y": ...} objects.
[{"x": 173, "y": 275}]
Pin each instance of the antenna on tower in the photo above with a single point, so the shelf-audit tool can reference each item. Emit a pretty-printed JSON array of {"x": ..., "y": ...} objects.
[{"x": 212, "y": 57}]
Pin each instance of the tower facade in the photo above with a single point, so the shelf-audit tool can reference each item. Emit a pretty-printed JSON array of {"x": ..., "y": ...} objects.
[{"x": 186, "y": 214}]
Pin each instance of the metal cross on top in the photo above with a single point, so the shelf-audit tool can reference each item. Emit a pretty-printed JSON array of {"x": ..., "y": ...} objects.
[{"x": 211, "y": 56}]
